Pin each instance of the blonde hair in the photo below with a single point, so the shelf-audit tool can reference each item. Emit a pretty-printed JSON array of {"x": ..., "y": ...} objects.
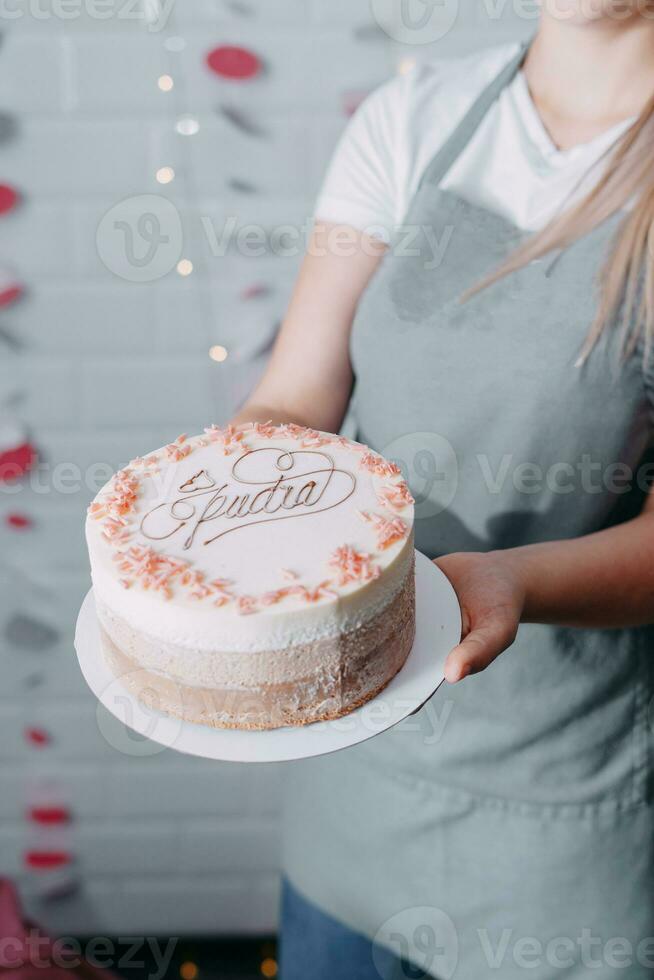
[{"x": 627, "y": 276}]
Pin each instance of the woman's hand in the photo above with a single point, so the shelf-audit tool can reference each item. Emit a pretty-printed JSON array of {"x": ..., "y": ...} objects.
[{"x": 491, "y": 594}]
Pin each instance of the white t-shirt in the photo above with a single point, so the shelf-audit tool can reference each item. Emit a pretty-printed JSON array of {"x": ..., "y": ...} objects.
[{"x": 510, "y": 166}]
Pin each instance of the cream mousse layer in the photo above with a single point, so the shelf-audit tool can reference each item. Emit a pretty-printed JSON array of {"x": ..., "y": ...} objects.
[{"x": 254, "y": 562}]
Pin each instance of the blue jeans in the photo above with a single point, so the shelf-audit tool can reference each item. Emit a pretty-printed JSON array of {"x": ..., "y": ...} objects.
[{"x": 316, "y": 947}]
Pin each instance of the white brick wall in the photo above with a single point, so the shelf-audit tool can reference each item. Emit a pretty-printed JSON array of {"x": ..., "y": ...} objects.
[{"x": 109, "y": 368}]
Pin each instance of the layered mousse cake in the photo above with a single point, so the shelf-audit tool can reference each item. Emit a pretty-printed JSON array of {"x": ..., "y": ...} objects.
[{"x": 255, "y": 578}]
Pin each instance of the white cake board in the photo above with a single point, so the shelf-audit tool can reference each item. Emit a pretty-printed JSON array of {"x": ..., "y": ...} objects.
[{"x": 438, "y": 629}]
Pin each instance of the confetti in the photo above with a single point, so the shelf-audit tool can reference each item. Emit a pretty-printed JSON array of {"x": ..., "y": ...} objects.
[
  {"x": 14, "y": 463},
  {"x": 37, "y": 737},
  {"x": 234, "y": 63},
  {"x": 9, "y": 198},
  {"x": 29, "y": 633},
  {"x": 241, "y": 186},
  {"x": 46, "y": 860},
  {"x": 244, "y": 123},
  {"x": 9, "y": 294},
  {"x": 19, "y": 522},
  {"x": 256, "y": 291},
  {"x": 49, "y": 816}
]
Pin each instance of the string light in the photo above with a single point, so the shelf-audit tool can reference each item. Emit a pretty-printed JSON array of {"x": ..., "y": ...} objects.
[
  {"x": 268, "y": 967},
  {"x": 406, "y": 65},
  {"x": 165, "y": 175},
  {"x": 187, "y": 123},
  {"x": 218, "y": 353},
  {"x": 187, "y": 126},
  {"x": 188, "y": 970}
]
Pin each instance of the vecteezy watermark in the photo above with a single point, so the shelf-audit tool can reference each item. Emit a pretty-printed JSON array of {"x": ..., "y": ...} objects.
[
  {"x": 587, "y": 950},
  {"x": 153, "y": 13},
  {"x": 430, "y": 466},
  {"x": 415, "y": 21},
  {"x": 424, "y": 940},
  {"x": 129, "y": 714},
  {"x": 580, "y": 10},
  {"x": 140, "y": 239},
  {"x": 318, "y": 240},
  {"x": 429, "y": 722},
  {"x": 63, "y": 478},
  {"x": 36, "y": 951}
]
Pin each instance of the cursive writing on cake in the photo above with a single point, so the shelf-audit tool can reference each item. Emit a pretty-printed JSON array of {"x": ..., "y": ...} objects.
[{"x": 266, "y": 485}]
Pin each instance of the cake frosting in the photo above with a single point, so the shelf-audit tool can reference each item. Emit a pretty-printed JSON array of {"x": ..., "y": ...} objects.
[{"x": 255, "y": 577}]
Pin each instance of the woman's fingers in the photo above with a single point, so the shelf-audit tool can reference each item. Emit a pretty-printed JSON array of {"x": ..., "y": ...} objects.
[{"x": 479, "y": 648}]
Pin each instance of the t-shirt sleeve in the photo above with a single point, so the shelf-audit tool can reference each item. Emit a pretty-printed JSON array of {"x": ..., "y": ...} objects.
[{"x": 362, "y": 187}]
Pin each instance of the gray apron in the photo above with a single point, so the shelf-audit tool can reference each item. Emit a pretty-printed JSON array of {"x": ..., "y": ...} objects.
[{"x": 514, "y": 809}]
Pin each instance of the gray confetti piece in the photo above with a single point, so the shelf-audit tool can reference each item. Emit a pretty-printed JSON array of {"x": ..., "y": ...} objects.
[
  {"x": 59, "y": 888},
  {"x": 13, "y": 343},
  {"x": 32, "y": 681},
  {"x": 8, "y": 127},
  {"x": 240, "y": 7},
  {"x": 31, "y": 634},
  {"x": 370, "y": 32},
  {"x": 241, "y": 186},
  {"x": 242, "y": 122}
]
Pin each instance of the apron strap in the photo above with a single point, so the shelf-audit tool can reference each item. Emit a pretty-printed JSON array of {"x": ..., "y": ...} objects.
[{"x": 457, "y": 142}]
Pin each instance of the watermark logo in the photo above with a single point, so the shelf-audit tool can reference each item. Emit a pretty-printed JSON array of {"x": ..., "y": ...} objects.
[
  {"x": 415, "y": 21},
  {"x": 423, "y": 938},
  {"x": 140, "y": 239},
  {"x": 429, "y": 465},
  {"x": 153, "y": 13},
  {"x": 29, "y": 951},
  {"x": 132, "y": 723}
]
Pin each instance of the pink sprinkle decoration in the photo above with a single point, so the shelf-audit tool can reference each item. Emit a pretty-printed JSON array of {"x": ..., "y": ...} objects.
[
  {"x": 154, "y": 571},
  {"x": 348, "y": 444},
  {"x": 388, "y": 531},
  {"x": 381, "y": 467},
  {"x": 144, "y": 461},
  {"x": 272, "y": 598},
  {"x": 177, "y": 450},
  {"x": 314, "y": 440},
  {"x": 119, "y": 501},
  {"x": 292, "y": 431},
  {"x": 395, "y": 496},
  {"x": 246, "y": 605},
  {"x": 353, "y": 565},
  {"x": 290, "y": 575},
  {"x": 230, "y": 438},
  {"x": 321, "y": 591},
  {"x": 264, "y": 429}
]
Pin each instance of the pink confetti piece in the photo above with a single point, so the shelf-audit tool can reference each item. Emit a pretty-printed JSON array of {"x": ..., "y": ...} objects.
[
  {"x": 38, "y": 737},
  {"x": 234, "y": 63},
  {"x": 20, "y": 522}
]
